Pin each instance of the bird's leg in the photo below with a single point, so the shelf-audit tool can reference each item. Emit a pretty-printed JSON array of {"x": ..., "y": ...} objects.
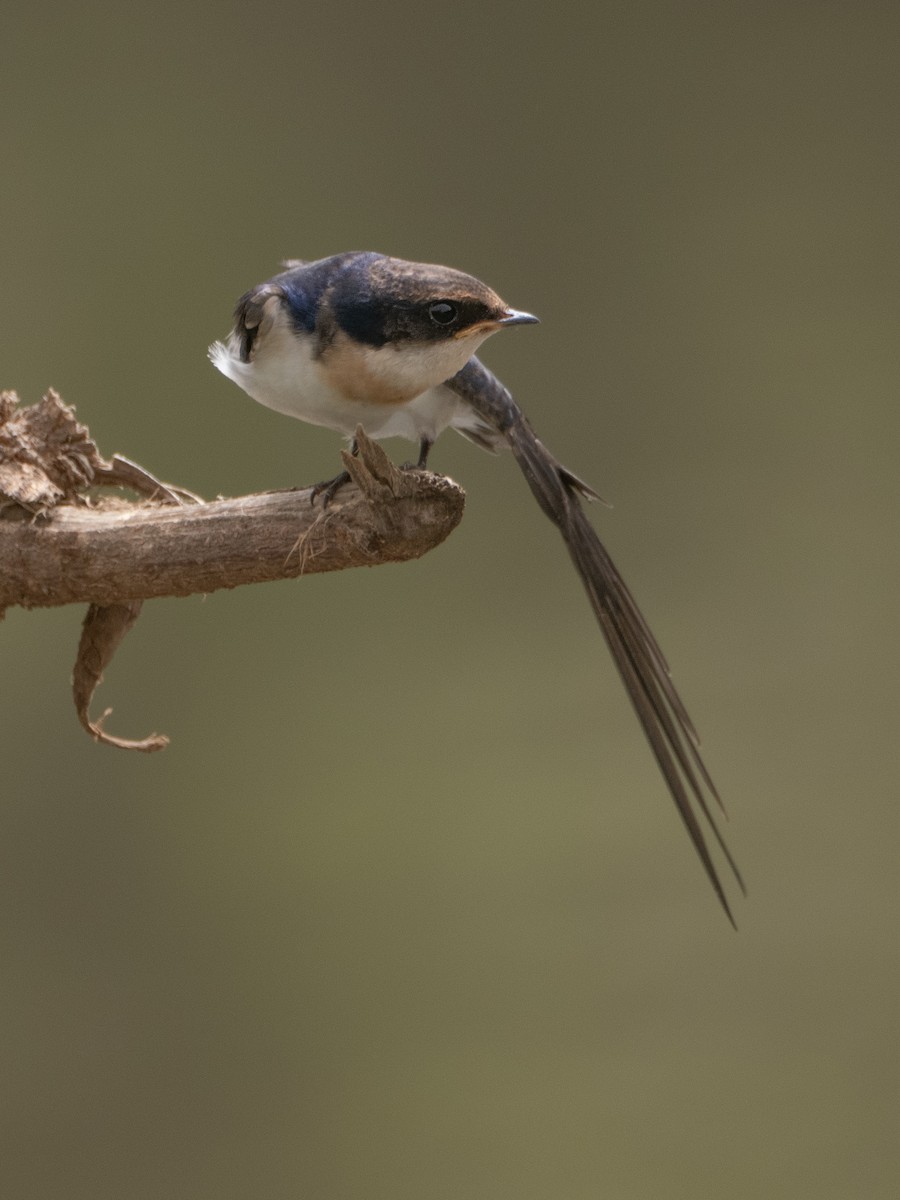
[
  {"x": 425, "y": 445},
  {"x": 327, "y": 488}
]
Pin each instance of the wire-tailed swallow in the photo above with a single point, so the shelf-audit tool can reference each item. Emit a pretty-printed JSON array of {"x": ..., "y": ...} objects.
[{"x": 364, "y": 340}]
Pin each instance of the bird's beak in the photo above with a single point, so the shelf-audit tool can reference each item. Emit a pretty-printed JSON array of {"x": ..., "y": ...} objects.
[{"x": 514, "y": 317}]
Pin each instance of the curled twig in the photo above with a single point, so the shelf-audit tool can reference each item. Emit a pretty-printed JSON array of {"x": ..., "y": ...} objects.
[{"x": 103, "y": 629}]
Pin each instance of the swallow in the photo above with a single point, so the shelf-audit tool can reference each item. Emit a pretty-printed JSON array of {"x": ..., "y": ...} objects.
[{"x": 365, "y": 340}]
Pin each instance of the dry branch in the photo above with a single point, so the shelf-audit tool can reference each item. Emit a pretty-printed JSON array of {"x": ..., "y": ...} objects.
[
  {"x": 113, "y": 551},
  {"x": 59, "y": 545}
]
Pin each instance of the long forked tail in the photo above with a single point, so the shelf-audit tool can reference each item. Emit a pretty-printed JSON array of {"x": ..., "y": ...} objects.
[{"x": 634, "y": 649}]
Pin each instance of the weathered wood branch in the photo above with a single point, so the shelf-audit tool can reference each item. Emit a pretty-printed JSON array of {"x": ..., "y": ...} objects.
[
  {"x": 114, "y": 551},
  {"x": 60, "y": 546}
]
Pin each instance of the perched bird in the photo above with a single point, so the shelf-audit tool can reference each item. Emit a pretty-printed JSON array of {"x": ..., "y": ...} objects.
[{"x": 364, "y": 340}]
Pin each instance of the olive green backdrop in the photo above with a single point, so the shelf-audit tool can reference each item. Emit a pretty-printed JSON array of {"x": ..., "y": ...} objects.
[{"x": 405, "y": 912}]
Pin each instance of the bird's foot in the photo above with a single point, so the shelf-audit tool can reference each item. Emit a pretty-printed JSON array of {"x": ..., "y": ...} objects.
[{"x": 327, "y": 488}]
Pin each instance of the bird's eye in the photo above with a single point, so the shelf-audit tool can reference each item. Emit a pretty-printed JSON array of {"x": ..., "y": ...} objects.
[{"x": 443, "y": 313}]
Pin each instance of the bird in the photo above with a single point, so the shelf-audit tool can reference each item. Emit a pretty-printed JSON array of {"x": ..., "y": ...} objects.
[{"x": 366, "y": 340}]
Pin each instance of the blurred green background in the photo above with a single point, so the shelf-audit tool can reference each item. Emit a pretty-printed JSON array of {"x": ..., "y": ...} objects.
[{"x": 405, "y": 912}]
